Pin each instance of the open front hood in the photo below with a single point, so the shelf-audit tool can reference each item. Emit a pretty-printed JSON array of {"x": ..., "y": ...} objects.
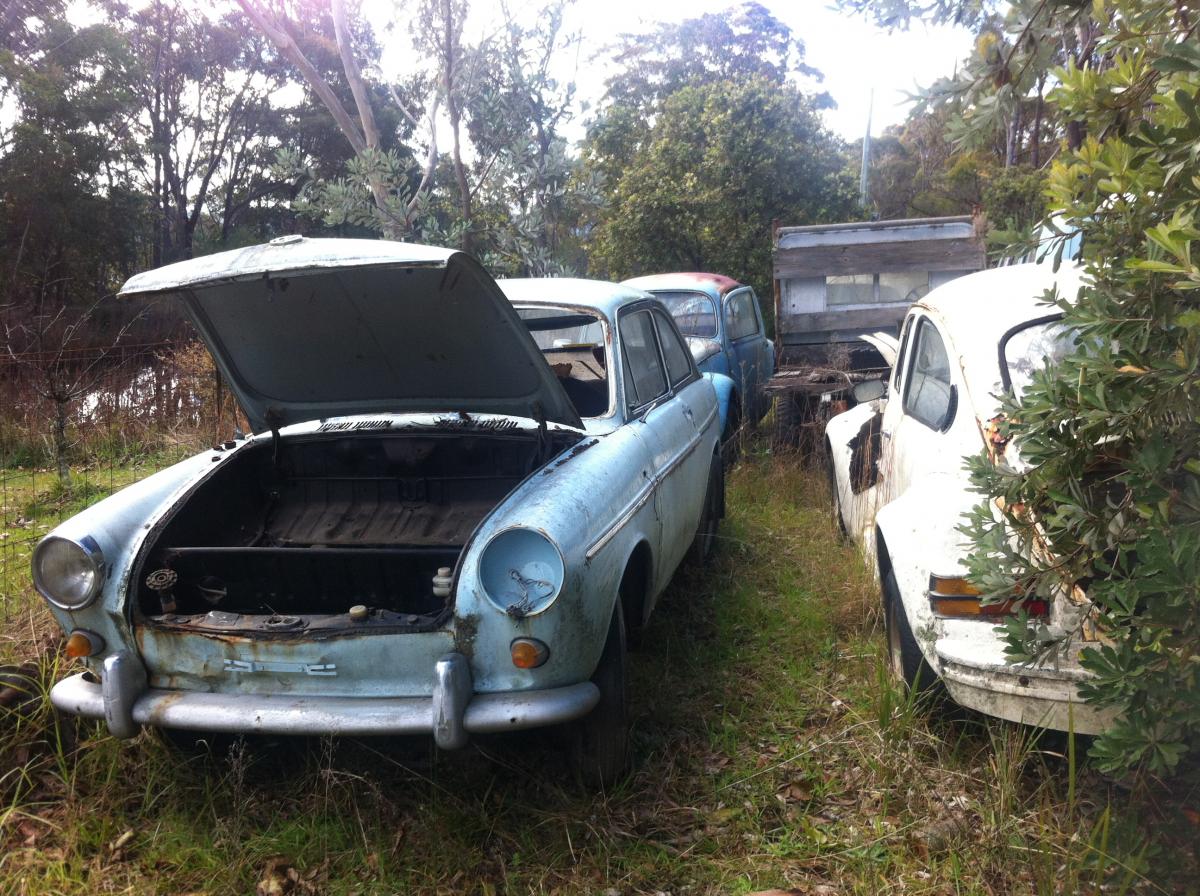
[{"x": 310, "y": 328}]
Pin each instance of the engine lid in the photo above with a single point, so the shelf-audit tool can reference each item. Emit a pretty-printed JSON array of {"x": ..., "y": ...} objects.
[{"x": 305, "y": 329}]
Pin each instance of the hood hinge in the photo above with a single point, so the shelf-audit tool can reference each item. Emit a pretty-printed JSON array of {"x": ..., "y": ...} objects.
[
  {"x": 543, "y": 434},
  {"x": 274, "y": 417}
]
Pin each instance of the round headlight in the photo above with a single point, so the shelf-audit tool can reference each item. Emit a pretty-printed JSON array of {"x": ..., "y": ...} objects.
[
  {"x": 69, "y": 574},
  {"x": 521, "y": 572}
]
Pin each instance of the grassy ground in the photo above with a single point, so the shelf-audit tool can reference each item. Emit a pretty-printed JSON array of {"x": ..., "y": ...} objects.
[
  {"x": 32, "y": 501},
  {"x": 771, "y": 752}
]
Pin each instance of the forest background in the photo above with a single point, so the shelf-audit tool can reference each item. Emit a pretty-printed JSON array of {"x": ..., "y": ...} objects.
[{"x": 163, "y": 130}]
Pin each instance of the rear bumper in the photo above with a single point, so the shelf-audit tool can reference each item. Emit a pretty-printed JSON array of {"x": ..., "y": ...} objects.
[
  {"x": 450, "y": 714},
  {"x": 973, "y": 667}
]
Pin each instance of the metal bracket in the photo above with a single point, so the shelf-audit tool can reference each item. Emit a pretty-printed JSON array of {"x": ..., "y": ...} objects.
[
  {"x": 452, "y": 690},
  {"x": 123, "y": 681},
  {"x": 328, "y": 670}
]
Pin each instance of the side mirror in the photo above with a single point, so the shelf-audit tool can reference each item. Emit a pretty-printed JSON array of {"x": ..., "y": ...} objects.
[{"x": 869, "y": 390}]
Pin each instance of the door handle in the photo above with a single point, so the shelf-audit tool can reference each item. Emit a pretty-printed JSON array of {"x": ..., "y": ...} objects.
[{"x": 687, "y": 412}]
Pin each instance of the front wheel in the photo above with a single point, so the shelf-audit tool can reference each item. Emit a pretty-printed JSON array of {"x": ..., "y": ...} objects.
[{"x": 600, "y": 749}]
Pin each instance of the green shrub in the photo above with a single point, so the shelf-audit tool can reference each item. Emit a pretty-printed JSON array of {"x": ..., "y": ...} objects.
[{"x": 1114, "y": 434}]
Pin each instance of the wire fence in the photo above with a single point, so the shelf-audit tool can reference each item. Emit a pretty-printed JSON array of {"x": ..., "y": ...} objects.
[{"x": 76, "y": 426}]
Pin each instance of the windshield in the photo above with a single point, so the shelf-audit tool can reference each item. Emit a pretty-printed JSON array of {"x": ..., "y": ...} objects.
[
  {"x": 572, "y": 343},
  {"x": 1038, "y": 345},
  {"x": 694, "y": 312}
]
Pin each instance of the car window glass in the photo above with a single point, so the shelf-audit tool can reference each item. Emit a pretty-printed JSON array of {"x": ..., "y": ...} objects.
[
  {"x": 695, "y": 313},
  {"x": 642, "y": 359},
  {"x": 740, "y": 319},
  {"x": 572, "y": 342},
  {"x": 927, "y": 393},
  {"x": 678, "y": 365},
  {"x": 1036, "y": 347},
  {"x": 902, "y": 355}
]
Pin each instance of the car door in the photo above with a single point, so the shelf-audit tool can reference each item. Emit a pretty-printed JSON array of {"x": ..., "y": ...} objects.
[
  {"x": 748, "y": 361},
  {"x": 662, "y": 422},
  {"x": 687, "y": 481},
  {"x": 916, "y": 433},
  {"x": 866, "y": 483}
]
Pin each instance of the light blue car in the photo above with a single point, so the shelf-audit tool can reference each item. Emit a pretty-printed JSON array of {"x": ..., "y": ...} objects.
[
  {"x": 723, "y": 324},
  {"x": 458, "y": 504}
]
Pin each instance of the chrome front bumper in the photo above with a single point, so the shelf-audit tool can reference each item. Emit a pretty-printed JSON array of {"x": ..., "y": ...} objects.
[{"x": 123, "y": 699}]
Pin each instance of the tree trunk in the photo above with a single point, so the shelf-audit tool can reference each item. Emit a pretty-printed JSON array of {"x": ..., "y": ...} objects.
[
  {"x": 1038, "y": 109},
  {"x": 450, "y": 52},
  {"x": 61, "y": 445},
  {"x": 1014, "y": 132}
]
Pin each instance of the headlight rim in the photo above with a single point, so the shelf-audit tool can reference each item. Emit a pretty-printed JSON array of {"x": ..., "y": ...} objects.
[
  {"x": 92, "y": 550},
  {"x": 480, "y": 577}
]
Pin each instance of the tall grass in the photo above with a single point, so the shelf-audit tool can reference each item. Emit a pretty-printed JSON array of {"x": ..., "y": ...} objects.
[{"x": 771, "y": 750}]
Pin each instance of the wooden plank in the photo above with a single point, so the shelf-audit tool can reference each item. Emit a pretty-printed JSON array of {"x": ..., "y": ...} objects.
[
  {"x": 885, "y": 317},
  {"x": 861, "y": 235},
  {"x": 929, "y": 255}
]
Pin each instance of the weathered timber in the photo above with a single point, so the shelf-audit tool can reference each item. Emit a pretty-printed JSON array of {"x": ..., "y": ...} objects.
[
  {"x": 884, "y": 317},
  {"x": 867, "y": 258}
]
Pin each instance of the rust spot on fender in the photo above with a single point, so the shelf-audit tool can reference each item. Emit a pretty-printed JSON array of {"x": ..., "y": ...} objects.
[
  {"x": 466, "y": 628},
  {"x": 573, "y": 453}
]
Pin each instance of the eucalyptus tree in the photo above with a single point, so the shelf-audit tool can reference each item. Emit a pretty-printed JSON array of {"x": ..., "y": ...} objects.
[
  {"x": 204, "y": 92},
  {"x": 375, "y": 131},
  {"x": 524, "y": 168}
]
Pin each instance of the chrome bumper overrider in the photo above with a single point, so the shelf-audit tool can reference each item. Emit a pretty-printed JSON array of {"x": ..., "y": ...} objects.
[{"x": 454, "y": 711}]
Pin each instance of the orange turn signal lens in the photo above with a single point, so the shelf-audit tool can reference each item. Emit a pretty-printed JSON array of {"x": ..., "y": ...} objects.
[
  {"x": 952, "y": 586},
  {"x": 83, "y": 643},
  {"x": 529, "y": 653}
]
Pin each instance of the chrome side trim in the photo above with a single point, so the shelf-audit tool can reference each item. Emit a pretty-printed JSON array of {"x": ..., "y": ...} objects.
[
  {"x": 645, "y": 494},
  {"x": 630, "y": 511},
  {"x": 678, "y": 459}
]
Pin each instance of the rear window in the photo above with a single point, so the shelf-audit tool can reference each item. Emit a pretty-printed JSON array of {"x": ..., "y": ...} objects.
[
  {"x": 557, "y": 328},
  {"x": 572, "y": 343},
  {"x": 695, "y": 313},
  {"x": 1034, "y": 347}
]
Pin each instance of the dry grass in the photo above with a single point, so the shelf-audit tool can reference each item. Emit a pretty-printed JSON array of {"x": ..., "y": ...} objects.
[{"x": 770, "y": 752}]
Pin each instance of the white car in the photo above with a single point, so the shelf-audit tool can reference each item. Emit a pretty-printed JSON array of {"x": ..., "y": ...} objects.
[{"x": 901, "y": 489}]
